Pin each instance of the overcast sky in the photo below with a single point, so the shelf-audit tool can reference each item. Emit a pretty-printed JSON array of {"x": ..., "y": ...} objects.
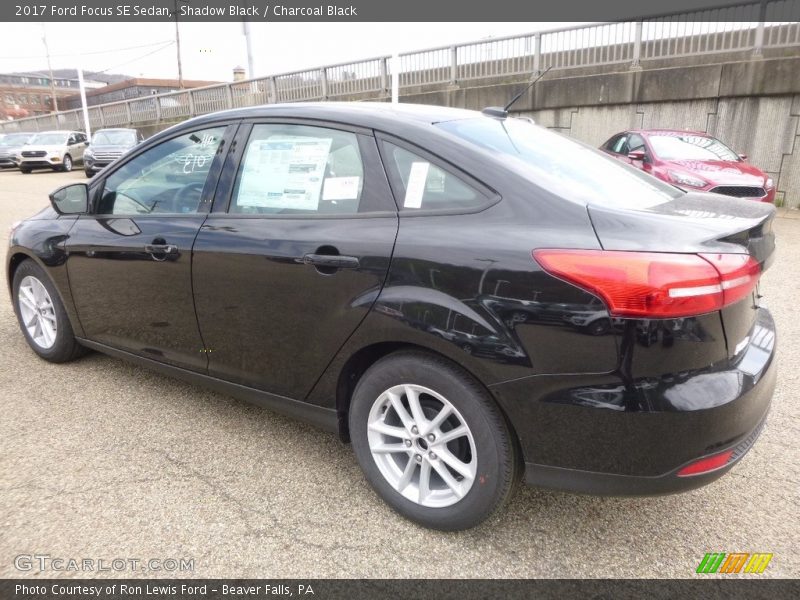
[{"x": 211, "y": 50}]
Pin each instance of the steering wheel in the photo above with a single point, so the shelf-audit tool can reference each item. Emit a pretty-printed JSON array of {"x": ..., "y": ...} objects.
[{"x": 188, "y": 198}]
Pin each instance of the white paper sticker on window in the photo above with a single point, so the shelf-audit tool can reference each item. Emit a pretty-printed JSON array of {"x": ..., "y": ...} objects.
[
  {"x": 415, "y": 188},
  {"x": 340, "y": 188},
  {"x": 284, "y": 172}
]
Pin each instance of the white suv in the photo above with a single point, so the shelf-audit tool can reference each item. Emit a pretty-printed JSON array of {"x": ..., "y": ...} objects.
[{"x": 57, "y": 150}]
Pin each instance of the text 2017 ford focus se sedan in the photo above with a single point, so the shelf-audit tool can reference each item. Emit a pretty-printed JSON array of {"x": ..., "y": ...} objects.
[{"x": 468, "y": 298}]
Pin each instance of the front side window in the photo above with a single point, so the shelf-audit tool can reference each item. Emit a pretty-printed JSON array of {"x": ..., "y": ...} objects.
[
  {"x": 425, "y": 186},
  {"x": 299, "y": 169},
  {"x": 167, "y": 178}
]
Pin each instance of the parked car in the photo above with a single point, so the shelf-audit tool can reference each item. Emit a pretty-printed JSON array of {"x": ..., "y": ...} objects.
[
  {"x": 57, "y": 150},
  {"x": 316, "y": 258},
  {"x": 10, "y": 147},
  {"x": 692, "y": 160},
  {"x": 107, "y": 145}
]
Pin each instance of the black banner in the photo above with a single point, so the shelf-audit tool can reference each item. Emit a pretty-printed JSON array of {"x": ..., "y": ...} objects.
[
  {"x": 378, "y": 589},
  {"x": 391, "y": 10}
]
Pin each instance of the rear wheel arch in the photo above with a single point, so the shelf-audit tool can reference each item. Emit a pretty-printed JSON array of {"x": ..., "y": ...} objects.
[{"x": 364, "y": 358}]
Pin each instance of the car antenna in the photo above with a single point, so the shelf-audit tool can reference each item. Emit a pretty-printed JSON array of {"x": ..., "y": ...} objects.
[{"x": 502, "y": 113}]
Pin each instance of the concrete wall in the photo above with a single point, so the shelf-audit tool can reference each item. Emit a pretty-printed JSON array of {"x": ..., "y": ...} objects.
[{"x": 753, "y": 105}]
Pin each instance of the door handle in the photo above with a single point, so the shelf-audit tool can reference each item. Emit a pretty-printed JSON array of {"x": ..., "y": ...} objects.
[
  {"x": 161, "y": 248},
  {"x": 331, "y": 261}
]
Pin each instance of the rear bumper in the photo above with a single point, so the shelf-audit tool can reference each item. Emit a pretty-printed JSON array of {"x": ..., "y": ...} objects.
[
  {"x": 575, "y": 435},
  {"x": 609, "y": 484}
]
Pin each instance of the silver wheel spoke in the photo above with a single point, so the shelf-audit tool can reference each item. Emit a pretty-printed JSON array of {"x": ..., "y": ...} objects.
[
  {"x": 424, "y": 481},
  {"x": 46, "y": 333},
  {"x": 390, "y": 430},
  {"x": 26, "y": 302},
  {"x": 448, "y": 479},
  {"x": 416, "y": 407},
  {"x": 438, "y": 419},
  {"x": 453, "y": 434},
  {"x": 28, "y": 295},
  {"x": 49, "y": 317},
  {"x": 458, "y": 466},
  {"x": 390, "y": 449},
  {"x": 401, "y": 411},
  {"x": 408, "y": 473}
]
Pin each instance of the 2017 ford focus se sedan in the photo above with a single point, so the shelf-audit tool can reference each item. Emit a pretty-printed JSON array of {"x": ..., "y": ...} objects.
[{"x": 467, "y": 298}]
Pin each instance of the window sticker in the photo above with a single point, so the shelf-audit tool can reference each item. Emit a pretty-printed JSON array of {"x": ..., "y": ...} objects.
[
  {"x": 340, "y": 188},
  {"x": 284, "y": 172},
  {"x": 415, "y": 188}
]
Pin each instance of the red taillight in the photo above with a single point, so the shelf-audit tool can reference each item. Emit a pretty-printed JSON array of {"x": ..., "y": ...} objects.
[
  {"x": 652, "y": 284},
  {"x": 704, "y": 465}
]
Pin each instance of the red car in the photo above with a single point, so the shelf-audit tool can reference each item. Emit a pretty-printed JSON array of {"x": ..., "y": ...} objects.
[{"x": 692, "y": 160}]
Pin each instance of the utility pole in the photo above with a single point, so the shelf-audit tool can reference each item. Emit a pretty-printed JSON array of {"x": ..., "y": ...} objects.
[
  {"x": 50, "y": 69},
  {"x": 178, "y": 44},
  {"x": 250, "y": 68},
  {"x": 84, "y": 108}
]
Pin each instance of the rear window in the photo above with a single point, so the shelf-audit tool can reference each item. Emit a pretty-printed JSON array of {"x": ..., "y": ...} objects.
[{"x": 564, "y": 166}]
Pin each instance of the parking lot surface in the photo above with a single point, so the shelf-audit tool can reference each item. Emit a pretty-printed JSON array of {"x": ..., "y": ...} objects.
[{"x": 101, "y": 459}]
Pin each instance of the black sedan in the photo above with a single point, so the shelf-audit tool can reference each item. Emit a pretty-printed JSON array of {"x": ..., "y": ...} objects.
[{"x": 418, "y": 279}]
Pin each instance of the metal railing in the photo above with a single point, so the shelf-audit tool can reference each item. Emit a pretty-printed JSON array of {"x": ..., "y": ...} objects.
[{"x": 749, "y": 27}]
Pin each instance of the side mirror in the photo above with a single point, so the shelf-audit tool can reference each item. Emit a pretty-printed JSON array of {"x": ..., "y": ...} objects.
[
  {"x": 87, "y": 142},
  {"x": 638, "y": 155},
  {"x": 743, "y": 156},
  {"x": 71, "y": 199}
]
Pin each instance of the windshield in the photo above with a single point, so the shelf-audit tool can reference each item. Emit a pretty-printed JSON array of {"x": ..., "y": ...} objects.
[
  {"x": 564, "y": 166},
  {"x": 49, "y": 139},
  {"x": 114, "y": 138},
  {"x": 15, "y": 139},
  {"x": 690, "y": 147}
]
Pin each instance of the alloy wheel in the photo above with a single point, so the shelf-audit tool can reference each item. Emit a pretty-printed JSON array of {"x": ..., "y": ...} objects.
[
  {"x": 38, "y": 312},
  {"x": 422, "y": 445}
]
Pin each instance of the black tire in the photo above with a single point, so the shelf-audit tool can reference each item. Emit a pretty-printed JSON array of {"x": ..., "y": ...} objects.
[
  {"x": 25, "y": 171},
  {"x": 65, "y": 347},
  {"x": 88, "y": 173},
  {"x": 497, "y": 466},
  {"x": 66, "y": 165}
]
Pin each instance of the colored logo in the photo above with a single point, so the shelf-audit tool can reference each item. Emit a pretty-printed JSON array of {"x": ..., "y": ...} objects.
[{"x": 739, "y": 562}]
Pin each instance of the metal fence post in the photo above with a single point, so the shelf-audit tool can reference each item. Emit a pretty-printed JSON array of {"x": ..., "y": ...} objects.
[
  {"x": 384, "y": 75},
  {"x": 637, "y": 44},
  {"x": 537, "y": 54},
  {"x": 758, "y": 43},
  {"x": 453, "y": 64},
  {"x": 323, "y": 75},
  {"x": 128, "y": 115},
  {"x": 158, "y": 109},
  {"x": 191, "y": 103},
  {"x": 229, "y": 94}
]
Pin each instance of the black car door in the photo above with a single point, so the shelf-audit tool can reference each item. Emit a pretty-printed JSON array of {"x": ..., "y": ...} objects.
[
  {"x": 129, "y": 260},
  {"x": 294, "y": 253}
]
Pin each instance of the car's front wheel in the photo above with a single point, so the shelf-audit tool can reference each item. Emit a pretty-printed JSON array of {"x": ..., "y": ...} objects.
[
  {"x": 431, "y": 441},
  {"x": 66, "y": 165},
  {"x": 42, "y": 316}
]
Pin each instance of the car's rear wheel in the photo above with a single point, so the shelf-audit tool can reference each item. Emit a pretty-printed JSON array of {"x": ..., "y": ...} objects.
[
  {"x": 66, "y": 165},
  {"x": 25, "y": 171},
  {"x": 42, "y": 316},
  {"x": 431, "y": 441}
]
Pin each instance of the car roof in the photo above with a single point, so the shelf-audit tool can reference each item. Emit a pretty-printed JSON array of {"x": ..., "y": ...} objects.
[
  {"x": 60, "y": 131},
  {"x": 365, "y": 114},
  {"x": 114, "y": 129}
]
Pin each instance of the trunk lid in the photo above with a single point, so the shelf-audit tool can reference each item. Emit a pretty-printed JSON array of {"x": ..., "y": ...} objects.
[{"x": 697, "y": 223}]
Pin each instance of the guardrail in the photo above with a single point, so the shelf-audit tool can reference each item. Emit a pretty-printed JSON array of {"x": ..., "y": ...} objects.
[{"x": 751, "y": 27}]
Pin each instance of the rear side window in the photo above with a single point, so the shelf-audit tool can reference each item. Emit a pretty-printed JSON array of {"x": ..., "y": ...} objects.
[
  {"x": 422, "y": 185},
  {"x": 299, "y": 169}
]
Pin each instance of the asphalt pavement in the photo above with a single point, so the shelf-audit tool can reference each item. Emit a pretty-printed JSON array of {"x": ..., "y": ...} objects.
[{"x": 100, "y": 459}]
